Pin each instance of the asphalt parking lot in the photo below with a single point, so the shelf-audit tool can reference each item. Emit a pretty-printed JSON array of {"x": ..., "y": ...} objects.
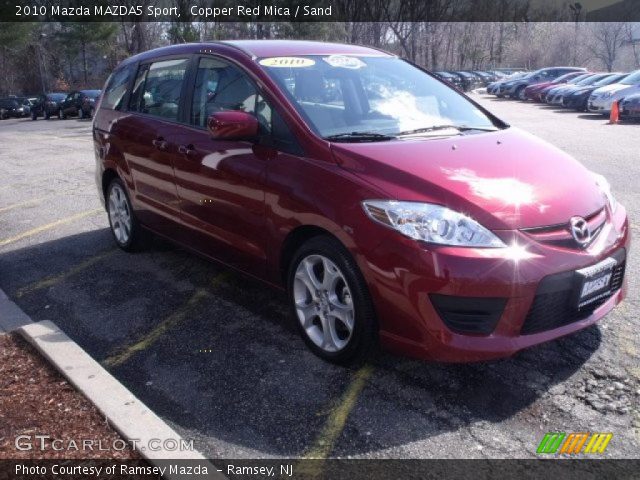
[{"x": 217, "y": 356}]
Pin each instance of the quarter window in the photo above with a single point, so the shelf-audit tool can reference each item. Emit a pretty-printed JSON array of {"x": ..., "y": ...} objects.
[{"x": 117, "y": 88}]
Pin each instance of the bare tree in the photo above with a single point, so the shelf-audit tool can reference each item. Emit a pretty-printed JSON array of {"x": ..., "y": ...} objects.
[{"x": 607, "y": 39}]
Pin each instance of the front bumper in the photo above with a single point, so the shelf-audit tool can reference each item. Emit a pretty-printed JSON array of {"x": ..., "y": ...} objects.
[
  {"x": 404, "y": 275},
  {"x": 577, "y": 102},
  {"x": 630, "y": 110},
  {"x": 600, "y": 105}
]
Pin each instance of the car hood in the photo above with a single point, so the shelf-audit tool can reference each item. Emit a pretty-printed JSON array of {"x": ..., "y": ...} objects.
[
  {"x": 507, "y": 179},
  {"x": 614, "y": 87}
]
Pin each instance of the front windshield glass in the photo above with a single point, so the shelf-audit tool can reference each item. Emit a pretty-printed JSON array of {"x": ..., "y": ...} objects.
[
  {"x": 57, "y": 97},
  {"x": 632, "y": 79},
  {"x": 609, "y": 80},
  {"x": 341, "y": 95}
]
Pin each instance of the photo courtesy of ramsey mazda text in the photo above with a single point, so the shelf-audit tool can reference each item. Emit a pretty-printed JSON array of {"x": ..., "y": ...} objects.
[{"x": 394, "y": 210}]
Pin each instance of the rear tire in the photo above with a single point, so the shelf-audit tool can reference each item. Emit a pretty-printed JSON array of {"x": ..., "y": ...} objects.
[
  {"x": 331, "y": 302},
  {"x": 127, "y": 231}
]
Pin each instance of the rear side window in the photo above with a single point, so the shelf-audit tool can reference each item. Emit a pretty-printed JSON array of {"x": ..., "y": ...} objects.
[
  {"x": 158, "y": 87},
  {"x": 117, "y": 88}
]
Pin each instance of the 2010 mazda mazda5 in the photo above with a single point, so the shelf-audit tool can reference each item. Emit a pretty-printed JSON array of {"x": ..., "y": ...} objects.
[{"x": 392, "y": 208}]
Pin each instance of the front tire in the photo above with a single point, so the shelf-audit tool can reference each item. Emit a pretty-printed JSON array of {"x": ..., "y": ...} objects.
[
  {"x": 61, "y": 115},
  {"x": 331, "y": 302},
  {"x": 126, "y": 229}
]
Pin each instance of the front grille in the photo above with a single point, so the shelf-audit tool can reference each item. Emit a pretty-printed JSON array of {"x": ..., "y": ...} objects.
[
  {"x": 469, "y": 315},
  {"x": 554, "y": 305},
  {"x": 560, "y": 235}
]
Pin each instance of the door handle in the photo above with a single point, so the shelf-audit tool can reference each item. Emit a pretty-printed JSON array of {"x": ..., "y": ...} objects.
[
  {"x": 160, "y": 143},
  {"x": 186, "y": 149}
]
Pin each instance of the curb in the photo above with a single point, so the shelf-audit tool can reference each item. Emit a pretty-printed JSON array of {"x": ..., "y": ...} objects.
[{"x": 129, "y": 416}]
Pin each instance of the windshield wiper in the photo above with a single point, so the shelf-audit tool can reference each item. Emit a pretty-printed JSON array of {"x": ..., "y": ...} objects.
[
  {"x": 460, "y": 128},
  {"x": 359, "y": 137}
]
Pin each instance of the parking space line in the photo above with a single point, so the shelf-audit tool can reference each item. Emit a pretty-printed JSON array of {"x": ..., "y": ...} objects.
[
  {"x": 54, "y": 279},
  {"x": 33, "y": 201},
  {"x": 167, "y": 324},
  {"x": 324, "y": 443},
  {"x": 49, "y": 226}
]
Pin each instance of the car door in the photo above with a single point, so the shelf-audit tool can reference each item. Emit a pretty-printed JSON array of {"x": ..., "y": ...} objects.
[
  {"x": 67, "y": 104},
  {"x": 221, "y": 182},
  {"x": 154, "y": 109}
]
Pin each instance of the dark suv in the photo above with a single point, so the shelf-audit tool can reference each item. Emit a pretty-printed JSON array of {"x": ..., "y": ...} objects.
[
  {"x": 47, "y": 105},
  {"x": 80, "y": 103}
]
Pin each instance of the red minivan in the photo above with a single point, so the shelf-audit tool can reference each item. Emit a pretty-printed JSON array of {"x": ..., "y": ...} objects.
[{"x": 394, "y": 210}]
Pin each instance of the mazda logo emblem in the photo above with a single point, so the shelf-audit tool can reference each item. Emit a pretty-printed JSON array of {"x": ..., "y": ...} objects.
[{"x": 580, "y": 230}]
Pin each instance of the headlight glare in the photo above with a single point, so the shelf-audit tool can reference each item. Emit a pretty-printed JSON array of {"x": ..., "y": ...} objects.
[
  {"x": 431, "y": 223},
  {"x": 604, "y": 185}
]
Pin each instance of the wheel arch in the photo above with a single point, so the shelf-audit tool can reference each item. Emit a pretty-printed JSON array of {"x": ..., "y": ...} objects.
[{"x": 294, "y": 240}]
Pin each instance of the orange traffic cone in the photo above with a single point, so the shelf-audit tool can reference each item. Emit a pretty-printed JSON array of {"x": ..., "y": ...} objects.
[{"x": 615, "y": 113}]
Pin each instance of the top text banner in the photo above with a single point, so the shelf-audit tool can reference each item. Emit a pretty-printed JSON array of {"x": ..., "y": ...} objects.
[{"x": 320, "y": 11}]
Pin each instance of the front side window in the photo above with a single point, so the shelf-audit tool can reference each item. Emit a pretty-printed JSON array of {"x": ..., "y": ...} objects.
[
  {"x": 158, "y": 87},
  {"x": 221, "y": 86},
  {"x": 117, "y": 88},
  {"x": 340, "y": 94}
]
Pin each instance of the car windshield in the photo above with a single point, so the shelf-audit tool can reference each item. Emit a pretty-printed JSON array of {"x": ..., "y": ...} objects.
[
  {"x": 632, "y": 79},
  {"x": 609, "y": 80},
  {"x": 591, "y": 80},
  {"x": 57, "y": 97},
  {"x": 91, "y": 93},
  {"x": 565, "y": 77},
  {"x": 8, "y": 102},
  {"x": 376, "y": 97},
  {"x": 579, "y": 78}
]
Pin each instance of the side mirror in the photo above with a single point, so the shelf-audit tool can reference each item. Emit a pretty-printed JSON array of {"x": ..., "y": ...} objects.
[{"x": 233, "y": 125}]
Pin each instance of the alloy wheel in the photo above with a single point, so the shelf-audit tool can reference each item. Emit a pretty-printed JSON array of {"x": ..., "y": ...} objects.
[
  {"x": 119, "y": 214},
  {"x": 323, "y": 303}
]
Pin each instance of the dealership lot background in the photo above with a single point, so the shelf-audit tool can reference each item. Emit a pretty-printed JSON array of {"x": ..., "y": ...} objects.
[{"x": 217, "y": 356}]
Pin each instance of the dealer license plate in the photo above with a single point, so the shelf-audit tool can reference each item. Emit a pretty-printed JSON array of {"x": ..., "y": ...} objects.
[{"x": 596, "y": 280}]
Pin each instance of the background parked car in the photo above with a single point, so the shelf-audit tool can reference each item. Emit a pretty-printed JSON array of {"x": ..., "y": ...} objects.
[
  {"x": 601, "y": 99},
  {"x": 630, "y": 107},
  {"x": 450, "y": 78},
  {"x": 79, "y": 103},
  {"x": 15, "y": 107},
  {"x": 533, "y": 92},
  {"x": 47, "y": 105},
  {"x": 558, "y": 98},
  {"x": 494, "y": 88},
  {"x": 515, "y": 88},
  {"x": 577, "y": 99},
  {"x": 469, "y": 81},
  {"x": 549, "y": 93}
]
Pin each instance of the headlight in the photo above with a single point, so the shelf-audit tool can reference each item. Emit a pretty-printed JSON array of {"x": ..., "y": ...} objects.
[
  {"x": 431, "y": 223},
  {"x": 604, "y": 185}
]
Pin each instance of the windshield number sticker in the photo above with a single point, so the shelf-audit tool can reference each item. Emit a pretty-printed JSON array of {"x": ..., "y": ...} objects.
[
  {"x": 342, "y": 61},
  {"x": 287, "y": 62}
]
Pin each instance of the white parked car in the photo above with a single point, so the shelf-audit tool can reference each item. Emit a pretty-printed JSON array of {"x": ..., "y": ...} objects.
[{"x": 601, "y": 99}]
